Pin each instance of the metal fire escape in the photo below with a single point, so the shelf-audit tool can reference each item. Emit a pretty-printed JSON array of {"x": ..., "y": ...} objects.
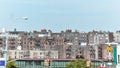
[{"x": 92, "y": 52}]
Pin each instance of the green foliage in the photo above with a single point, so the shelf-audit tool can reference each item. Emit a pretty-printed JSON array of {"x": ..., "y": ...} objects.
[
  {"x": 79, "y": 57},
  {"x": 11, "y": 64},
  {"x": 77, "y": 64}
]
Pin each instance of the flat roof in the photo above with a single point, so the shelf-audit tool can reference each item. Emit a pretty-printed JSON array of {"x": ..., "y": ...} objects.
[
  {"x": 59, "y": 59},
  {"x": 44, "y": 59}
]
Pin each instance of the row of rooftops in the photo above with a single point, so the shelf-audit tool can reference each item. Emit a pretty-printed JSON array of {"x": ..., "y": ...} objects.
[
  {"x": 46, "y": 31},
  {"x": 59, "y": 59}
]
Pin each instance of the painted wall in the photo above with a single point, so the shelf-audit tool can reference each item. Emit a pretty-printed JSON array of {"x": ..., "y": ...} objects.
[{"x": 118, "y": 54}]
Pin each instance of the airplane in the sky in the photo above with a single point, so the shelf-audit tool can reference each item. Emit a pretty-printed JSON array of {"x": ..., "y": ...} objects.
[{"x": 25, "y": 18}]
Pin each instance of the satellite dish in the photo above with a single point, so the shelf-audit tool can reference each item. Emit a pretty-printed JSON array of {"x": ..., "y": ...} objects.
[{"x": 19, "y": 47}]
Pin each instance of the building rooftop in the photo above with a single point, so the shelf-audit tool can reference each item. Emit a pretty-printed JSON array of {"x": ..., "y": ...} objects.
[{"x": 60, "y": 59}]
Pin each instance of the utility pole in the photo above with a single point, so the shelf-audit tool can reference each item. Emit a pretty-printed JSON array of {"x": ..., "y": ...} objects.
[
  {"x": 6, "y": 50},
  {"x": 6, "y": 47}
]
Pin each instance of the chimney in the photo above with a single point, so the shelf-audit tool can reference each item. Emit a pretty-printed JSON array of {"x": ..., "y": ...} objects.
[
  {"x": 68, "y": 30},
  {"x": 43, "y": 30}
]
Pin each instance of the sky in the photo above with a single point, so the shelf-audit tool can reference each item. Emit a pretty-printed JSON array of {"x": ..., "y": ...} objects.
[{"x": 58, "y": 15}]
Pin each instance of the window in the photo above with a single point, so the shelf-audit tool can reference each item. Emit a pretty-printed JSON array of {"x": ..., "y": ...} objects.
[
  {"x": 106, "y": 34},
  {"x": 19, "y": 52},
  {"x": 37, "y": 62},
  {"x": 118, "y": 58},
  {"x": 35, "y": 54},
  {"x": 15, "y": 52},
  {"x": 76, "y": 34},
  {"x": 24, "y": 42},
  {"x": 90, "y": 34},
  {"x": 24, "y": 46},
  {"x": 30, "y": 42},
  {"x": 30, "y": 46},
  {"x": 28, "y": 62},
  {"x": 40, "y": 53},
  {"x": 106, "y": 38}
]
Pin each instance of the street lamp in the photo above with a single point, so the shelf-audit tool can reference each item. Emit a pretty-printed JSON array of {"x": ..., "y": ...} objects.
[
  {"x": 6, "y": 41},
  {"x": 6, "y": 45}
]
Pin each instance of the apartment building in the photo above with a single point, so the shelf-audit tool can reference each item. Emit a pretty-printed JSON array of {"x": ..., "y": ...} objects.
[
  {"x": 117, "y": 36},
  {"x": 83, "y": 37},
  {"x": 67, "y": 43},
  {"x": 98, "y": 37},
  {"x": 71, "y": 41},
  {"x": 20, "y": 54},
  {"x": 12, "y": 40}
]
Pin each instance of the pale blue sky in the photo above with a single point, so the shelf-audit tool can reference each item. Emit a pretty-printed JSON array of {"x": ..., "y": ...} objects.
[{"x": 57, "y": 15}]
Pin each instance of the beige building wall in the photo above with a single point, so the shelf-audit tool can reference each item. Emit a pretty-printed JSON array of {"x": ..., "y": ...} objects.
[
  {"x": 43, "y": 54},
  {"x": 104, "y": 51},
  {"x": 18, "y": 54}
]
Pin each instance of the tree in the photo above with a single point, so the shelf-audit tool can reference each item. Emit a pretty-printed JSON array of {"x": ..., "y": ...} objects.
[
  {"x": 80, "y": 57},
  {"x": 77, "y": 64},
  {"x": 11, "y": 63}
]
